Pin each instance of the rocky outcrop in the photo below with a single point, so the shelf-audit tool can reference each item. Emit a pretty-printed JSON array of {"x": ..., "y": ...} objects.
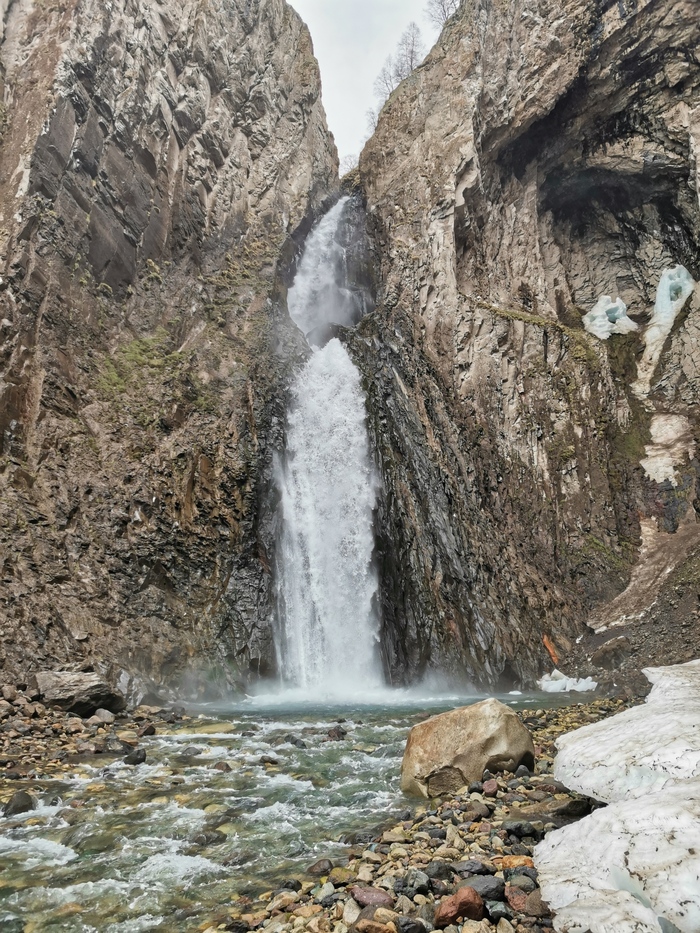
[
  {"x": 452, "y": 750},
  {"x": 156, "y": 156},
  {"x": 552, "y": 155},
  {"x": 80, "y": 693}
]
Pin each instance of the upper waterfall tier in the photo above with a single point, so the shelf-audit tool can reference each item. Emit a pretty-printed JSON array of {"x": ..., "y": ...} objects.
[{"x": 323, "y": 293}]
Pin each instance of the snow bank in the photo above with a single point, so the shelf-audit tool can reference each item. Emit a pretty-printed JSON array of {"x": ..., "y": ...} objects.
[
  {"x": 627, "y": 868},
  {"x": 633, "y": 867},
  {"x": 556, "y": 682},
  {"x": 643, "y": 749},
  {"x": 608, "y": 317}
]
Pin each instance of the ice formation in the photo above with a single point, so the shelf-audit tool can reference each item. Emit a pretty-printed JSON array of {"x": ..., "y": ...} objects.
[
  {"x": 675, "y": 287},
  {"x": 556, "y": 682},
  {"x": 609, "y": 317},
  {"x": 633, "y": 867}
]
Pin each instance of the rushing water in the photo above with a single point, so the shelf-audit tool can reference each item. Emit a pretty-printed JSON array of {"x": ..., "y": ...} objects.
[
  {"x": 327, "y": 638},
  {"x": 137, "y": 853}
]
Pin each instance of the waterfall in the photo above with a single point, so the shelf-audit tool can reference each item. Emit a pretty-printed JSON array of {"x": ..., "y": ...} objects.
[{"x": 327, "y": 631}]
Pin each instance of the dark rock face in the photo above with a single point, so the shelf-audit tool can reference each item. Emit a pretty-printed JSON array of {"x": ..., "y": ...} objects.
[
  {"x": 157, "y": 157},
  {"x": 549, "y": 152}
]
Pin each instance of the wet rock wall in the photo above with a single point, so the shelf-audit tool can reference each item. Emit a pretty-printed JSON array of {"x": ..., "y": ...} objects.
[
  {"x": 157, "y": 157},
  {"x": 551, "y": 151}
]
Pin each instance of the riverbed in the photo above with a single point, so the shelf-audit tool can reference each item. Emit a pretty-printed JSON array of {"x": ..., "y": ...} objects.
[{"x": 161, "y": 845}]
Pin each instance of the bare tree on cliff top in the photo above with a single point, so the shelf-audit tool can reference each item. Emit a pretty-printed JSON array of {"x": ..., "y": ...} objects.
[
  {"x": 439, "y": 11},
  {"x": 410, "y": 52},
  {"x": 385, "y": 82}
]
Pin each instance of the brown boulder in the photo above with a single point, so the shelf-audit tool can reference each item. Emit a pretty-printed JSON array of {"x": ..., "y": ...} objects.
[
  {"x": 83, "y": 694},
  {"x": 454, "y": 749},
  {"x": 466, "y": 904},
  {"x": 535, "y": 906},
  {"x": 611, "y": 654}
]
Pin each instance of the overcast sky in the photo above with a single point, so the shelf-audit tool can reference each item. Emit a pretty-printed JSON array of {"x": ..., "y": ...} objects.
[{"x": 352, "y": 39}]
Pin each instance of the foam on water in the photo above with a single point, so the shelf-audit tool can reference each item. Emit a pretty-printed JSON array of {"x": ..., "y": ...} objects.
[
  {"x": 137, "y": 925},
  {"x": 168, "y": 868},
  {"x": 35, "y": 852}
]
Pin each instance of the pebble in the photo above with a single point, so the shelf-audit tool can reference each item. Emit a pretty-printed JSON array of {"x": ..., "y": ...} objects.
[
  {"x": 371, "y": 897},
  {"x": 137, "y": 757},
  {"x": 466, "y": 904},
  {"x": 488, "y": 887},
  {"x": 323, "y": 867}
]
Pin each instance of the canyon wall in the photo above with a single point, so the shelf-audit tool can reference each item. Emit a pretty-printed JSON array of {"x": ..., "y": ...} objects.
[
  {"x": 156, "y": 156},
  {"x": 161, "y": 163},
  {"x": 536, "y": 478}
]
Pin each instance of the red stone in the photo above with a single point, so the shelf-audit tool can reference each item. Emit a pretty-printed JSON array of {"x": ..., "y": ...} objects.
[
  {"x": 371, "y": 897},
  {"x": 516, "y": 898},
  {"x": 491, "y": 788},
  {"x": 466, "y": 904}
]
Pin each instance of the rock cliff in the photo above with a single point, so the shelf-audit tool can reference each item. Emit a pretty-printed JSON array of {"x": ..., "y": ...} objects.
[
  {"x": 536, "y": 477},
  {"x": 156, "y": 156}
]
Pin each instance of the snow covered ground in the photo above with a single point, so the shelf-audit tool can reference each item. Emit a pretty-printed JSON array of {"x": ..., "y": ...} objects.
[{"x": 634, "y": 866}]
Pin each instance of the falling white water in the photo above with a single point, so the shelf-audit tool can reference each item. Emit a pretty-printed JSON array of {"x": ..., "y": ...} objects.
[
  {"x": 320, "y": 295},
  {"x": 328, "y": 627}
]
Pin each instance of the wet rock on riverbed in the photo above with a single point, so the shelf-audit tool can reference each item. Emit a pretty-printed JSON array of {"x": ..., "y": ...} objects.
[{"x": 462, "y": 862}]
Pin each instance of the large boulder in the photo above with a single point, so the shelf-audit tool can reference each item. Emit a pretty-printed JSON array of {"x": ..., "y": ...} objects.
[
  {"x": 83, "y": 694},
  {"x": 453, "y": 749}
]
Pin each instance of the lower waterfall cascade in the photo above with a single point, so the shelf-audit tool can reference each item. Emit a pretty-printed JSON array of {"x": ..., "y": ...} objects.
[{"x": 327, "y": 627}]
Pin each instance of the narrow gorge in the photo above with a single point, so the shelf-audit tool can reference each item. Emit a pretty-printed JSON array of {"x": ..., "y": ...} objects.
[
  {"x": 163, "y": 169},
  {"x": 327, "y": 503}
]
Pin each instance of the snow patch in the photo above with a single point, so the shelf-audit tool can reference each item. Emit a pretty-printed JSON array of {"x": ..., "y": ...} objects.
[
  {"x": 556, "y": 682},
  {"x": 675, "y": 287},
  {"x": 625, "y": 866},
  {"x": 643, "y": 749},
  {"x": 672, "y": 444},
  {"x": 633, "y": 867},
  {"x": 609, "y": 317}
]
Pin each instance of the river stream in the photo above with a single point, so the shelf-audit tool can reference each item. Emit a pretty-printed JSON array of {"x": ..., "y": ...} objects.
[{"x": 163, "y": 845}]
